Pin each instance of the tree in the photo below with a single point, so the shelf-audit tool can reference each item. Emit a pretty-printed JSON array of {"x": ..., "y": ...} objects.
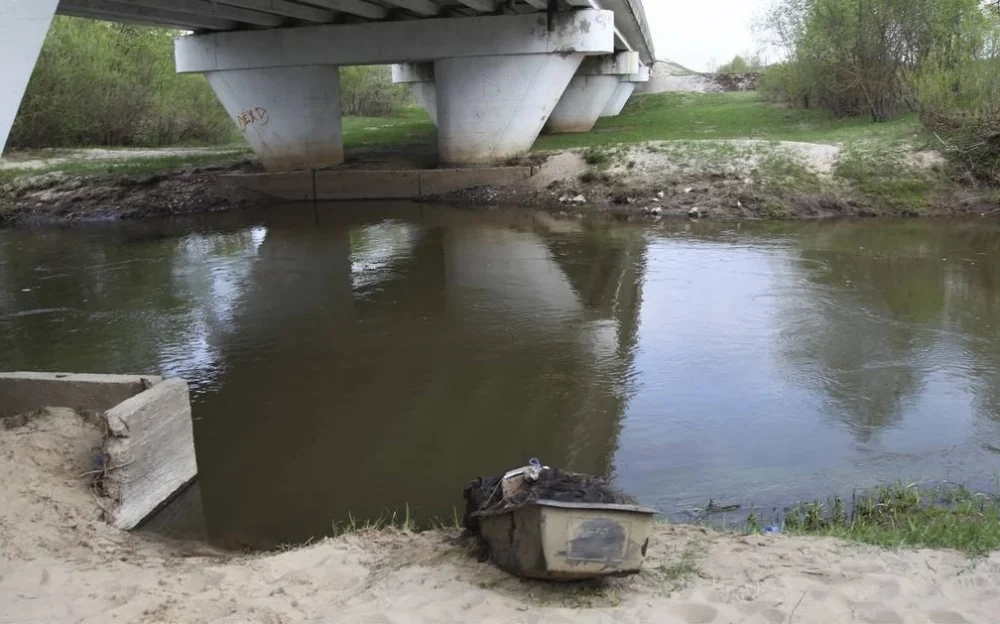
[
  {"x": 742, "y": 65},
  {"x": 855, "y": 57},
  {"x": 98, "y": 83}
]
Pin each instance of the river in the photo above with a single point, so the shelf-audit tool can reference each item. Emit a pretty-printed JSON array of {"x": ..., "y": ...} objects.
[{"x": 351, "y": 360}]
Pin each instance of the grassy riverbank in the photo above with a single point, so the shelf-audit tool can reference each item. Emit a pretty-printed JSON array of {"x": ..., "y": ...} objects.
[
  {"x": 672, "y": 117},
  {"x": 838, "y": 166},
  {"x": 721, "y": 155},
  {"x": 904, "y": 516}
]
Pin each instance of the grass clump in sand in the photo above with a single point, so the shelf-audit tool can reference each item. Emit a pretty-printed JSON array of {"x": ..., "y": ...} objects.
[
  {"x": 900, "y": 516},
  {"x": 395, "y": 519},
  {"x": 675, "y": 574}
]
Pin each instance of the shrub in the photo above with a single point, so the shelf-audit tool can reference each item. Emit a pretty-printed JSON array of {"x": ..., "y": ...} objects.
[
  {"x": 962, "y": 107},
  {"x": 368, "y": 91},
  {"x": 854, "y": 57},
  {"x": 98, "y": 83}
]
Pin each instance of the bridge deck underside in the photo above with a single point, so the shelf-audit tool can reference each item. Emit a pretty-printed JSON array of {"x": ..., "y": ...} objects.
[{"x": 225, "y": 15}]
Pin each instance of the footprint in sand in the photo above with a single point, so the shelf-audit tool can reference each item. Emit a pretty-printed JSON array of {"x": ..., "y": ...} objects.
[
  {"x": 967, "y": 586},
  {"x": 885, "y": 616},
  {"x": 772, "y": 615},
  {"x": 693, "y": 613},
  {"x": 872, "y": 589},
  {"x": 946, "y": 617}
]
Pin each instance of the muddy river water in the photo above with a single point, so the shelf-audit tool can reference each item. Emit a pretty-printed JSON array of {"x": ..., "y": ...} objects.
[{"x": 346, "y": 361}]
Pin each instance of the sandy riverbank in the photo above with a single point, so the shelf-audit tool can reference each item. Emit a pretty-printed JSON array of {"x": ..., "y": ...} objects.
[
  {"x": 60, "y": 562},
  {"x": 713, "y": 179}
]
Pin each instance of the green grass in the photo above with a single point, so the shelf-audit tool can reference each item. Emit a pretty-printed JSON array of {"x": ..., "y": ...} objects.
[
  {"x": 692, "y": 116},
  {"x": 907, "y": 516},
  {"x": 881, "y": 173},
  {"x": 674, "y": 575},
  {"x": 668, "y": 117},
  {"x": 407, "y": 126},
  {"x": 395, "y": 519},
  {"x": 133, "y": 167}
]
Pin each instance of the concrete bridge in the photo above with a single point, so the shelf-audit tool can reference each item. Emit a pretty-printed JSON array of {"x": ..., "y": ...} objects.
[{"x": 491, "y": 73}]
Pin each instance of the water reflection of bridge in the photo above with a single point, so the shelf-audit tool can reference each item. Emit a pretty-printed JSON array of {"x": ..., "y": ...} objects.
[{"x": 375, "y": 365}]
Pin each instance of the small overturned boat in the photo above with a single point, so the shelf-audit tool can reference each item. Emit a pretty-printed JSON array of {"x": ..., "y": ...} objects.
[{"x": 540, "y": 522}]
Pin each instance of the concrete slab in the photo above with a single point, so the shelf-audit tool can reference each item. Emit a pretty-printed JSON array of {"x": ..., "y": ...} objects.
[
  {"x": 149, "y": 453},
  {"x": 442, "y": 181},
  {"x": 292, "y": 185},
  {"x": 353, "y": 184},
  {"x": 586, "y": 31},
  {"x": 346, "y": 184},
  {"x": 27, "y": 391}
]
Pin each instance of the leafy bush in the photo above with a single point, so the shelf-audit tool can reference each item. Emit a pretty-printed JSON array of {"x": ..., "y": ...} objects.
[
  {"x": 369, "y": 92},
  {"x": 741, "y": 65},
  {"x": 98, "y": 83},
  {"x": 961, "y": 105},
  {"x": 854, "y": 57},
  {"x": 782, "y": 83}
]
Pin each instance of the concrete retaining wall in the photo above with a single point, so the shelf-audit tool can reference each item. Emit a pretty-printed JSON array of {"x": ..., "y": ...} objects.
[
  {"x": 347, "y": 184},
  {"x": 25, "y": 392},
  {"x": 148, "y": 455}
]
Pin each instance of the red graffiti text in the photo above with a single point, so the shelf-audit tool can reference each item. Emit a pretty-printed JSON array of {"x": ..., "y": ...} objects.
[{"x": 256, "y": 117}]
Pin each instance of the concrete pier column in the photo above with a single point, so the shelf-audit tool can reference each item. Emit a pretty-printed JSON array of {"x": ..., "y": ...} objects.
[
  {"x": 496, "y": 78},
  {"x": 290, "y": 116},
  {"x": 589, "y": 92},
  {"x": 420, "y": 78},
  {"x": 491, "y": 108},
  {"x": 624, "y": 92},
  {"x": 23, "y": 26},
  {"x": 619, "y": 99}
]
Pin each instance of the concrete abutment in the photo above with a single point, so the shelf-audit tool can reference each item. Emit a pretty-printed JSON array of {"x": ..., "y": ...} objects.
[{"x": 148, "y": 453}]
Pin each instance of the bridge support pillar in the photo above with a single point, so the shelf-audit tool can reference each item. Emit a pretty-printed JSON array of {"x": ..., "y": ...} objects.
[
  {"x": 619, "y": 99},
  {"x": 589, "y": 92},
  {"x": 496, "y": 78},
  {"x": 624, "y": 92},
  {"x": 420, "y": 77},
  {"x": 491, "y": 108},
  {"x": 22, "y": 33},
  {"x": 290, "y": 116}
]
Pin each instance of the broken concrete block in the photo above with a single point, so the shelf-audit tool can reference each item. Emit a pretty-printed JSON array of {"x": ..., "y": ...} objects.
[{"x": 149, "y": 453}]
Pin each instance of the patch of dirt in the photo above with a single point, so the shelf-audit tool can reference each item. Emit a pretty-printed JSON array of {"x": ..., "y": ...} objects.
[
  {"x": 727, "y": 179},
  {"x": 61, "y": 197}
]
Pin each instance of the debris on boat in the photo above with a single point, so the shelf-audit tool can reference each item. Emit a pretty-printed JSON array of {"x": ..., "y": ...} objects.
[{"x": 541, "y": 522}]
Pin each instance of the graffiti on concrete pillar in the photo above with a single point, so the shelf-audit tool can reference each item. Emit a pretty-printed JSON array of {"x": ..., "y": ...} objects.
[{"x": 257, "y": 117}]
